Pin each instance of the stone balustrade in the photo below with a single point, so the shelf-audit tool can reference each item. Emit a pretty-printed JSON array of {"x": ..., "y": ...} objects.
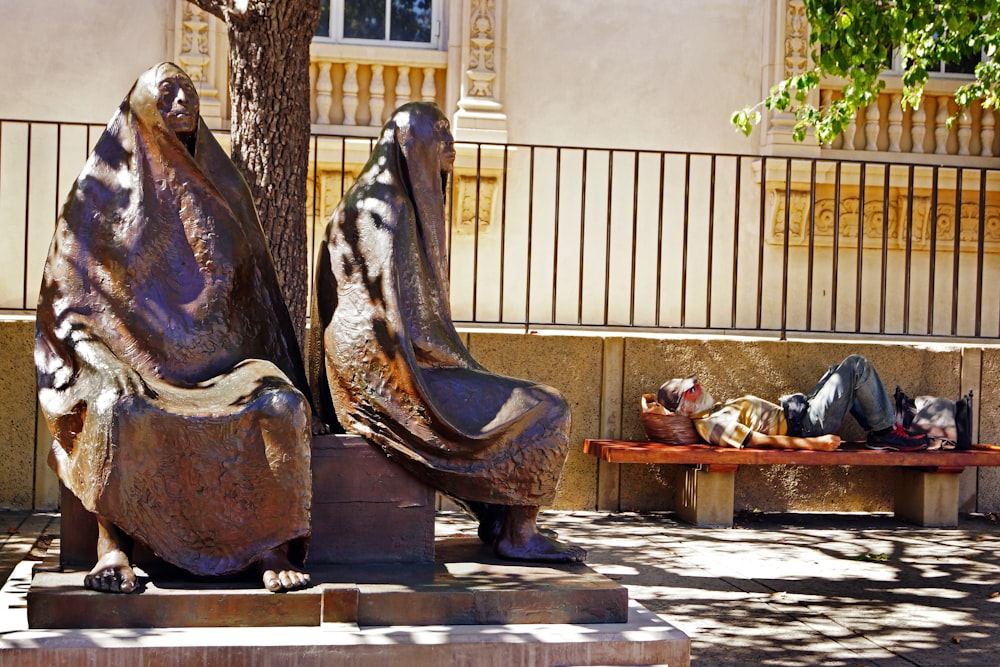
[
  {"x": 885, "y": 126},
  {"x": 359, "y": 86}
]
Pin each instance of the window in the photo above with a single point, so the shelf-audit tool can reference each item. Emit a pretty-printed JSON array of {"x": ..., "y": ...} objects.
[
  {"x": 412, "y": 23},
  {"x": 964, "y": 68}
]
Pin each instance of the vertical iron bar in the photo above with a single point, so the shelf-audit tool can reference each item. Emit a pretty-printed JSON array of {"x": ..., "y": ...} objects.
[
  {"x": 583, "y": 235},
  {"x": 607, "y": 242},
  {"x": 885, "y": 247},
  {"x": 711, "y": 239},
  {"x": 835, "y": 264},
  {"x": 635, "y": 234},
  {"x": 959, "y": 172},
  {"x": 859, "y": 279},
  {"x": 909, "y": 250},
  {"x": 787, "y": 225},
  {"x": 811, "y": 249},
  {"x": 27, "y": 218},
  {"x": 736, "y": 238},
  {"x": 531, "y": 200},
  {"x": 760, "y": 239},
  {"x": 659, "y": 241},
  {"x": 503, "y": 234},
  {"x": 684, "y": 242},
  {"x": 555, "y": 236},
  {"x": 475, "y": 233},
  {"x": 980, "y": 250},
  {"x": 932, "y": 269}
]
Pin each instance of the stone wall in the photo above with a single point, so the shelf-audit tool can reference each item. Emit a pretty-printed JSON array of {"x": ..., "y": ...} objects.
[{"x": 602, "y": 379}]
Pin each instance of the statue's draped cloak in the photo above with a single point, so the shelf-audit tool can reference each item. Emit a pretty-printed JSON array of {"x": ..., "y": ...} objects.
[
  {"x": 167, "y": 364},
  {"x": 398, "y": 373}
]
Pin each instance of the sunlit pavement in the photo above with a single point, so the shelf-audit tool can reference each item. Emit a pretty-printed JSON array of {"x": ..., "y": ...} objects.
[{"x": 789, "y": 589}]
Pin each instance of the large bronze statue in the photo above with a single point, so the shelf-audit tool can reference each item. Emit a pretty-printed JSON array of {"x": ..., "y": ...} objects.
[
  {"x": 167, "y": 364},
  {"x": 395, "y": 367}
]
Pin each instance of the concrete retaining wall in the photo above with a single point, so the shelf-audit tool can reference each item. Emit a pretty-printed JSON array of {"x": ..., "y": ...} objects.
[{"x": 602, "y": 379}]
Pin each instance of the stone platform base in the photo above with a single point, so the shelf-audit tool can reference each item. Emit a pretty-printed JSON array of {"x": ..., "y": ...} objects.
[
  {"x": 466, "y": 585},
  {"x": 644, "y": 639}
]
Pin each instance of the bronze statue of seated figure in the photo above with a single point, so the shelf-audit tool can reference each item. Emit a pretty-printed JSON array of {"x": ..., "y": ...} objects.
[
  {"x": 167, "y": 364},
  {"x": 396, "y": 370}
]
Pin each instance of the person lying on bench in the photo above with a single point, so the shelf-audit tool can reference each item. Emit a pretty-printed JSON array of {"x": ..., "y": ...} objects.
[{"x": 800, "y": 421}]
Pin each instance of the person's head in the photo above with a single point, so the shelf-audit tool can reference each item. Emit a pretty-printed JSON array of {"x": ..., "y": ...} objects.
[{"x": 684, "y": 396}]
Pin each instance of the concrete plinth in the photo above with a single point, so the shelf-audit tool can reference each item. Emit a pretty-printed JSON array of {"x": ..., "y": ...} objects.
[
  {"x": 705, "y": 496},
  {"x": 927, "y": 498},
  {"x": 367, "y": 509},
  {"x": 644, "y": 639},
  {"x": 466, "y": 585}
]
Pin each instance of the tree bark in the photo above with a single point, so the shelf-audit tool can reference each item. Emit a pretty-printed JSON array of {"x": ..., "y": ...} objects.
[{"x": 269, "y": 88}]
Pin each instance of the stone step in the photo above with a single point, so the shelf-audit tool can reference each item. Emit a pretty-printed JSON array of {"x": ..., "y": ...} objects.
[{"x": 467, "y": 585}]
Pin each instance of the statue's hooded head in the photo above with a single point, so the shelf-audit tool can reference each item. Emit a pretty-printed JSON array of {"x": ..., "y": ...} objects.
[{"x": 165, "y": 98}]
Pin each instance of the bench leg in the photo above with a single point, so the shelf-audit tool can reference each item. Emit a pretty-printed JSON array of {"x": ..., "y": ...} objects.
[
  {"x": 705, "y": 498},
  {"x": 927, "y": 498}
]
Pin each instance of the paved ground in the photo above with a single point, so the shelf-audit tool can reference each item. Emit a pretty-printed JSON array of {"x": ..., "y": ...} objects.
[{"x": 786, "y": 590}]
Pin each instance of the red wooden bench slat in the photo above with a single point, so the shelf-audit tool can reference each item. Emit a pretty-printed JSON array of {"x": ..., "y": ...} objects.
[{"x": 635, "y": 451}]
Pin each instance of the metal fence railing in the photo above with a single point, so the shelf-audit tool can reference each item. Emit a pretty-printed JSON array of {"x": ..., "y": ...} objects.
[{"x": 558, "y": 236}]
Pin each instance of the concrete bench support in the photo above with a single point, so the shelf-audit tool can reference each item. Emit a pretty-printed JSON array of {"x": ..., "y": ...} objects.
[
  {"x": 928, "y": 498},
  {"x": 705, "y": 498}
]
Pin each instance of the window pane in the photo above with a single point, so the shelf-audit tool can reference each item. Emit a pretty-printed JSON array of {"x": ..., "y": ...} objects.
[
  {"x": 411, "y": 21},
  {"x": 364, "y": 19},
  {"x": 323, "y": 27},
  {"x": 967, "y": 65}
]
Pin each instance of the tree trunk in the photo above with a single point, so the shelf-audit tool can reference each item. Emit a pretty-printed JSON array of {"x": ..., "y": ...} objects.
[{"x": 269, "y": 87}]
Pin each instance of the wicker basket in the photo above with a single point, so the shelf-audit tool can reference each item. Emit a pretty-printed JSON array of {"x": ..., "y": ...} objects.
[{"x": 664, "y": 426}]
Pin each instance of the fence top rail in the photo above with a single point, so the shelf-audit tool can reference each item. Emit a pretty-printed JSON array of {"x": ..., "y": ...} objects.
[{"x": 900, "y": 160}]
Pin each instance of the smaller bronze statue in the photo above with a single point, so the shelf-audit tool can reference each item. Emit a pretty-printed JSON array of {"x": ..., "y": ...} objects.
[
  {"x": 167, "y": 364},
  {"x": 397, "y": 371}
]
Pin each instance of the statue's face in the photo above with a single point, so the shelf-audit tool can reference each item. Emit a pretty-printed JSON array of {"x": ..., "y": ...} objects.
[
  {"x": 446, "y": 145},
  {"x": 177, "y": 102}
]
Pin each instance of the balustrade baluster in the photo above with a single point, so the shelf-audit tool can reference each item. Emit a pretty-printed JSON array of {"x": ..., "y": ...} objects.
[
  {"x": 428, "y": 92},
  {"x": 376, "y": 101},
  {"x": 872, "y": 118},
  {"x": 964, "y": 132},
  {"x": 987, "y": 132},
  {"x": 895, "y": 122},
  {"x": 941, "y": 126},
  {"x": 849, "y": 132},
  {"x": 918, "y": 129},
  {"x": 350, "y": 93},
  {"x": 324, "y": 90},
  {"x": 403, "y": 93}
]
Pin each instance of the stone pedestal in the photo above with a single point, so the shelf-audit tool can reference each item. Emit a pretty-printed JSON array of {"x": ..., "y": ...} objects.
[{"x": 365, "y": 508}]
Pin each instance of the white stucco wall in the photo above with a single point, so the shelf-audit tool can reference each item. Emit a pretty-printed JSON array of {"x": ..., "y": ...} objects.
[
  {"x": 74, "y": 60},
  {"x": 651, "y": 74}
]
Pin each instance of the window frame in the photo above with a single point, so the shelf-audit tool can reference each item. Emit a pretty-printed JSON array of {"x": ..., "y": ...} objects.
[{"x": 336, "y": 29}]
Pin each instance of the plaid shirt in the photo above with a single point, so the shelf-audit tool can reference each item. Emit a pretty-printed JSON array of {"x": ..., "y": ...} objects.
[{"x": 730, "y": 423}]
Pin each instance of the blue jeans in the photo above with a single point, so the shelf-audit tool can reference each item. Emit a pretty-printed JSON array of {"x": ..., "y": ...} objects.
[{"x": 851, "y": 386}]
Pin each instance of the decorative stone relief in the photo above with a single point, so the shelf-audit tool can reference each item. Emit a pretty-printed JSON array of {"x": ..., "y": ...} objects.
[
  {"x": 480, "y": 115},
  {"x": 464, "y": 212},
  {"x": 482, "y": 67},
  {"x": 873, "y": 218},
  {"x": 332, "y": 184},
  {"x": 196, "y": 50},
  {"x": 796, "y": 38}
]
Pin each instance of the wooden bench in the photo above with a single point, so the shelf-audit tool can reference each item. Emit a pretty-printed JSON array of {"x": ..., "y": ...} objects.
[{"x": 926, "y": 492}]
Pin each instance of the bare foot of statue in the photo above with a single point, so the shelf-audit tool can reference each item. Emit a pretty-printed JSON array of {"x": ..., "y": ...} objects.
[
  {"x": 520, "y": 539},
  {"x": 278, "y": 573},
  {"x": 491, "y": 518},
  {"x": 113, "y": 572}
]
